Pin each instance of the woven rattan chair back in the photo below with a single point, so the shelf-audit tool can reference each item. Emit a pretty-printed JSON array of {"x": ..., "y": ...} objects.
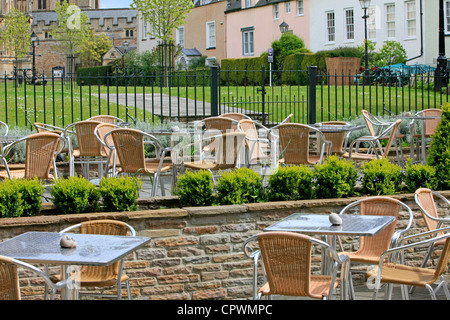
[
  {"x": 379, "y": 206},
  {"x": 129, "y": 145},
  {"x": 426, "y": 200},
  {"x": 40, "y": 153},
  {"x": 254, "y": 146},
  {"x": 294, "y": 141},
  {"x": 102, "y": 130},
  {"x": 337, "y": 138},
  {"x": 106, "y": 119},
  {"x": 88, "y": 144},
  {"x": 221, "y": 123},
  {"x": 443, "y": 260},
  {"x": 287, "y": 262},
  {"x": 235, "y": 116},
  {"x": 392, "y": 138},
  {"x": 9, "y": 280},
  {"x": 104, "y": 227},
  {"x": 431, "y": 124}
]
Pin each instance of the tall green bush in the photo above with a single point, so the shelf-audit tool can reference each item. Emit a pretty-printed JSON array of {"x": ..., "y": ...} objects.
[
  {"x": 242, "y": 185},
  {"x": 290, "y": 183},
  {"x": 335, "y": 178},
  {"x": 439, "y": 154},
  {"x": 381, "y": 177},
  {"x": 31, "y": 191}
]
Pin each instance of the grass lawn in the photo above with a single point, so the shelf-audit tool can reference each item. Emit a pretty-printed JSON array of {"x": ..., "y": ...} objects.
[{"x": 61, "y": 105}]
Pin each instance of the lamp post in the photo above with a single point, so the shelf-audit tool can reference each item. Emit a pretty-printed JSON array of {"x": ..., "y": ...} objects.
[
  {"x": 125, "y": 49},
  {"x": 441, "y": 73},
  {"x": 284, "y": 27},
  {"x": 34, "y": 42},
  {"x": 365, "y": 5}
]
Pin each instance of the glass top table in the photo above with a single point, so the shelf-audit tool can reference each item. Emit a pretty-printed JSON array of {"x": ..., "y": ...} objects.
[{"x": 319, "y": 224}]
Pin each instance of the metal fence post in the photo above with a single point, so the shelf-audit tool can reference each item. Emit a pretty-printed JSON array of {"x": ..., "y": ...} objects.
[
  {"x": 312, "y": 74},
  {"x": 214, "y": 90}
]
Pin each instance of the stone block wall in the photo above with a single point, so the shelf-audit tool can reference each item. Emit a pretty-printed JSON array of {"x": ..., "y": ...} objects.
[{"x": 195, "y": 253}]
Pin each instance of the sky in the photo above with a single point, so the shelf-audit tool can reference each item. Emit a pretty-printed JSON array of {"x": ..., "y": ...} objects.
[{"x": 108, "y": 4}]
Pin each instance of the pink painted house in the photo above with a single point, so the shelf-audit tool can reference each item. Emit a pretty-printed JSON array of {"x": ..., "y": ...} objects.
[{"x": 252, "y": 25}]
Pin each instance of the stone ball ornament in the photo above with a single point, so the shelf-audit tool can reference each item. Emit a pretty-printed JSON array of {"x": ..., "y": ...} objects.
[
  {"x": 335, "y": 219},
  {"x": 67, "y": 242}
]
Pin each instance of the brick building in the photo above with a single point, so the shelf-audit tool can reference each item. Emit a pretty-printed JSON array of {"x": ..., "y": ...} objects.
[{"x": 119, "y": 25}]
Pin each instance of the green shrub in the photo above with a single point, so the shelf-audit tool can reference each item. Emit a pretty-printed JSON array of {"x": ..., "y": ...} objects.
[
  {"x": 195, "y": 188},
  {"x": 242, "y": 185},
  {"x": 10, "y": 199},
  {"x": 75, "y": 195},
  {"x": 439, "y": 155},
  {"x": 290, "y": 183},
  {"x": 419, "y": 176},
  {"x": 335, "y": 178},
  {"x": 31, "y": 193},
  {"x": 381, "y": 177},
  {"x": 120, "y": 194}
]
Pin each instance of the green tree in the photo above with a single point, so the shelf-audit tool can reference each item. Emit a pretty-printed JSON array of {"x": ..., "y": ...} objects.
[
  {"x": 288, "y": 44},
  {"x": 15, "y": 36},
  {"x": 93, "y": 48},
  {"x": 163, "y": 15},
  {"x": 71, "y": 29},
  {"x": 392, "y": 52}
]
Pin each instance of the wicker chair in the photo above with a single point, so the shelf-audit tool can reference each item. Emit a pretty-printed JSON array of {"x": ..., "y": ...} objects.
[
  {"x": 430, "y": 128},
  {"x": 286, "y": 263},
  {"x": 9, "y": 279},
  {"x": 100, "y": 132},
  {"x": 107, "y": 119},
  {"x": 376, "y": 126},
  {"x": 424, "y": 198},
  {"x": 338, "y": 139},
  {"x": 129, "y": 146},
  {"x": 255, "y": 145},
  {"x": 224, "y": 151},
  {"x": 295, "y": 144},
  {"x": 108, "y": 276},
  {"x": 89, "y": 150},
  {"x": 371, "y": 248},
  {"x": 374, "y": 142},
  {"x": 41, "y": 149},
  {"x": 391, "y": 273},
  {"x": 235, "y": 116}
]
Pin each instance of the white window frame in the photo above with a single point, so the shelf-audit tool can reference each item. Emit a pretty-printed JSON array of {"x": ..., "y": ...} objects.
[
  {"x": 276, "y": 11},
  {"x": 390, "y": 23},
  {"x": 248, "y": 3},
  {"x": 144, "y": 29},
  {"x": 248, "y": 41},
  {"x": 288, "y": 7},
  {"x": 447, "y": 16},
  {"x": 410, "y": 20},
  {"x": 349, "y": 21},
  {"x": 331, "y": 29},
  {"x": 300, "y": 11},
  {"x": 180, "y": 37},
  {"x": 210, "y": 37}
]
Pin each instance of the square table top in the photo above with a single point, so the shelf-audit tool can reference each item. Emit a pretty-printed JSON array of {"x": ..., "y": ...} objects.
[
  {"x": 91, "y": 249},
  {"x": 357, "y": 225}
]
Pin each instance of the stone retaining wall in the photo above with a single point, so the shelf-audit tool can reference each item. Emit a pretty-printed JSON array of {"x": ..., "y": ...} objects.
[{"x": 195, "y": 253}]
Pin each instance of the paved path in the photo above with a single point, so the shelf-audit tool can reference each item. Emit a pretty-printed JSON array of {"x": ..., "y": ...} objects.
[{"x": 168, "y": 106}]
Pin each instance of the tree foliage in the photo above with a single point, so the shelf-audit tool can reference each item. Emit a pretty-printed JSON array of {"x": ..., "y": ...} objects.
[
  {"x": 392, "y": 52},
  {"x": 163, "y": 15},
  {"x": 288, "y": 44},
  {"x": 93, "y": 48},
  {"x": 71, "y": 29},
  {"x": 15, "y": 36}
]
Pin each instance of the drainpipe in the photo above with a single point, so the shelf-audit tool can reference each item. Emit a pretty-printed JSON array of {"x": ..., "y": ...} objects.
[{"x": 421, "y": 34}]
